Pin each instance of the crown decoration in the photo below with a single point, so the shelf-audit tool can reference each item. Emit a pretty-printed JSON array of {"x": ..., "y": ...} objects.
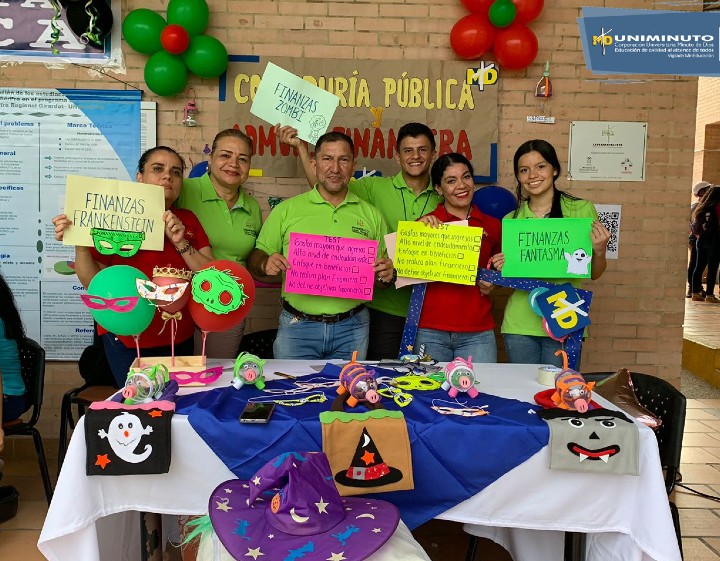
[{"x": 172, "y": 272}]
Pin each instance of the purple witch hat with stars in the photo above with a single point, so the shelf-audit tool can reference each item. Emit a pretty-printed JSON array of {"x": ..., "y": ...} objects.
[{"x": 290, "y": 509}]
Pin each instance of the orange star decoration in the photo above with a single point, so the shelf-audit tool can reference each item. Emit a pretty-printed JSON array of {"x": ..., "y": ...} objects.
[
  {"x": 102, "y": 460},
  {"x": 155, "y": 413},
  {"x": 368, "y": 458}
]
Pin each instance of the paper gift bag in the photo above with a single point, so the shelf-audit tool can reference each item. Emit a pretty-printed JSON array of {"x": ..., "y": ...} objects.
[
  {"x": 128, "y": 439},
  {"x": 598, "y": 441},
  {"x": 368, "y": 452}
]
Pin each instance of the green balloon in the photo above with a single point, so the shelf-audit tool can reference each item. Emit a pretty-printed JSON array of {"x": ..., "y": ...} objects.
[
  {"x": 141, "y": 29},
  {"x": 206, "y": 57},
  {"x": 165, "y": 74},
  {"x": 193, "y": 15},
  {"x": 502, "y": 13},
  {"x": 118, "y": 281}
]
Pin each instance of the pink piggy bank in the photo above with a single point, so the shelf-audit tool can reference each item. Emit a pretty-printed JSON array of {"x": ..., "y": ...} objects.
[{"x": 460, "y": 377}]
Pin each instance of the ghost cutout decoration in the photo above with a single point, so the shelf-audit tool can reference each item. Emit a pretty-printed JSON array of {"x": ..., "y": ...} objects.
[
  {"x": 124, "y": 434},
  {"x": 578, "y": 262}
]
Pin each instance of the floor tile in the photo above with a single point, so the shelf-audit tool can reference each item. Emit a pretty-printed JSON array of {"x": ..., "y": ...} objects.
[
  {"x": 699, "y": 523},
  {"x": 697, "y": 426},
  {"x": 714, "y": 544},
  {"x": 20, "y": 545},
  {"x": 30, "y": 516},
  {"x": 701, "y": 474},
  {"x": 701, "y": 414},
  {"x": 700, "y": 439},
  {"x": 684, "y": 498},
  {"x": 695, "y": 549},
  {"x": 698, "y": 456}
]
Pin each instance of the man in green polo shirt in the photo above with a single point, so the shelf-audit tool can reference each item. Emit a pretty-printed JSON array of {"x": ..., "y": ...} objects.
[
  {"x": 322, "y": 327},
  {"x": 405, "y": 196}
]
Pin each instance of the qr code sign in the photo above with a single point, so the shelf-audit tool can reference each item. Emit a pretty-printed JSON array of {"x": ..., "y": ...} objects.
[{"x": 610, "y": 217}]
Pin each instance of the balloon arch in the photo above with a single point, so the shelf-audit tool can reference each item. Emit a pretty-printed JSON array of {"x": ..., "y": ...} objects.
[{"x": 500, "y": 26}]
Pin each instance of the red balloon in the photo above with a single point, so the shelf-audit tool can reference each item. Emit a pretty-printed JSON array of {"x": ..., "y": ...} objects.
[
  {"x": 174, "y": 39},
  {"x": 472, "y": 36},
  {"x": 527, "y": 10},
  {"x": 215, "y": 298},
  {"x": 478, "y": 6},
  {"x": 515, "y": 46}
]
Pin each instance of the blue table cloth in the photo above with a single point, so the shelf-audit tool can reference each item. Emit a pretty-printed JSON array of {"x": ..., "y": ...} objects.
[{"x": 453, "y": 457}]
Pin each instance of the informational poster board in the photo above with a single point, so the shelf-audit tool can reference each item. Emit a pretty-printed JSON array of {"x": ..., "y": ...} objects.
[{"x": 46, "y": 134}]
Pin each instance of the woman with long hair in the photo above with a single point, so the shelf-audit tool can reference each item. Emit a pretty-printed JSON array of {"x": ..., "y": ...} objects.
[
  {"x": 12, "y": 387},
  {"x": 706, "y": 229},
  {"x": 537, "y": 169},
  {"x": 456, "y": 320},
  {"x": 186, "y": 247},
  {"x": 230, "y": 216}
]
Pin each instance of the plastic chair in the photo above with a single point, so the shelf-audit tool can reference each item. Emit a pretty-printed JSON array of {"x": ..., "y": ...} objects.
[
  {"x": 667, "y": 403},
  {"x": 32, "y": 366},
  {"x": 259, "y": 343},
  {"x": 99, "y": 385}
]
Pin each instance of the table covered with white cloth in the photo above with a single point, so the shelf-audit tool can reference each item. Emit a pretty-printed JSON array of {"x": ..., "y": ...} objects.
[{"x": 526, "y": 510}]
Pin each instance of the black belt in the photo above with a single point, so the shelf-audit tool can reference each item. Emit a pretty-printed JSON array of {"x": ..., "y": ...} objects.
[{"x": 324, "y": 318}]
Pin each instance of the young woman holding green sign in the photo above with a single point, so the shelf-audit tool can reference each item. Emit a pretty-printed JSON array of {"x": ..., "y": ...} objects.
[
  {"x": 537, "y": 168},
  {"x": 456, "y": 319}
]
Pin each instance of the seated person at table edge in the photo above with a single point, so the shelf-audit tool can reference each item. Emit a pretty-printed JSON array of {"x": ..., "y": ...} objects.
[
  {"x": 405, "y": 196},
  {"x": 322, "y": 327}
]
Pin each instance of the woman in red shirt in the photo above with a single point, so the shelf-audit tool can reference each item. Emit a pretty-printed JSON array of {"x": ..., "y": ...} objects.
[
  {"x": 456, "y": 319},
  {"x": 186, "y": 247}
]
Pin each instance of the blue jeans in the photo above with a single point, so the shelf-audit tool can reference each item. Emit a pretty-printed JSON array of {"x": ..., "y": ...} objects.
[
  {"x": 532, "y": 349},
  {"x": 445, "y": 346},
  {"x": 303, "y": 339},
  {"x": 708, "y": 254},
  {"x": 120, "y": 357},
  {"x": 13, "y": 406}
]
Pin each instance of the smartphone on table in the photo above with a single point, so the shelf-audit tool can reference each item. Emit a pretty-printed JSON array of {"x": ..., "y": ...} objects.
[{"x": 257, "y": 412}]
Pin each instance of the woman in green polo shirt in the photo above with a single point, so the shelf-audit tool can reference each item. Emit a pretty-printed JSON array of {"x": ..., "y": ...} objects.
[
  {"x": 231, "y": 218},
  {"x": 537, "y": 168}
]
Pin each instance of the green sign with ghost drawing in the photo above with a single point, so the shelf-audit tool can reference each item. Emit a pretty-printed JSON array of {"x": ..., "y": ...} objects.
[{"x": 553, "y": 248}]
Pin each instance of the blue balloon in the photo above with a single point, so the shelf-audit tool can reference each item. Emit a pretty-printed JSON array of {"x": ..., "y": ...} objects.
[
  {"x": 534, "y": 293},
  {"x": 495, "y": 201},
  {"x": 198, "y": 169}
]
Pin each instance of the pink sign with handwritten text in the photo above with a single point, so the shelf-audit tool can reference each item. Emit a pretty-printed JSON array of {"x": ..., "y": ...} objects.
[{"x": 331, "y": 266}]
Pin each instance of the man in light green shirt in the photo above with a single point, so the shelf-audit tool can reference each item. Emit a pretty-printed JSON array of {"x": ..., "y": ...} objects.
[
  {"x": 405, "y": 196},
  {"x": 322, "y": 327}
]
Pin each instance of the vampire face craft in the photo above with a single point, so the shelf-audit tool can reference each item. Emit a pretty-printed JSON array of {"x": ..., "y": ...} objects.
[{"x": 600, "y": 440}]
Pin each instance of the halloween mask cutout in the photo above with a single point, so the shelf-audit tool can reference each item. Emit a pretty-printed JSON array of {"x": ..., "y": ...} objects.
[
  {"x": 114, "y": 242},
  {"x": 218, "y": 291}
]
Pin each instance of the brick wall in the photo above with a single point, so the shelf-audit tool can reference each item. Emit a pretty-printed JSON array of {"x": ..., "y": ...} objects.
[{"x": 638, "y": 308}]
